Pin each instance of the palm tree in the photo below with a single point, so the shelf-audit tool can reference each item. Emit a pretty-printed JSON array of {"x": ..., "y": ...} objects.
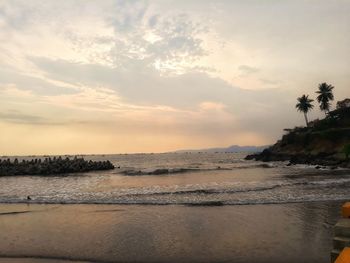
[
  {"x": 325, "y": 96},
  {"x": 304, "y": 105}
]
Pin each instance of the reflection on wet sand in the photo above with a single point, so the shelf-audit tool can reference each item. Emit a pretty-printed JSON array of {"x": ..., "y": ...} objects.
[{"x": 114, "y": 233}]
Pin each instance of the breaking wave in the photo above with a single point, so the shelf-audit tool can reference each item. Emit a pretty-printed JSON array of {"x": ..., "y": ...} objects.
[
  {"x": 235, "y": 194},
  {"x": 169, "y": 171},
  {"x": 182, "y": 179}
]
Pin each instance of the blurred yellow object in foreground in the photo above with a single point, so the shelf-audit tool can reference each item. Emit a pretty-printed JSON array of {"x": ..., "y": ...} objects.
[
  {"x": 344, "y": 256},
  {"x": 346, "y": 210}
]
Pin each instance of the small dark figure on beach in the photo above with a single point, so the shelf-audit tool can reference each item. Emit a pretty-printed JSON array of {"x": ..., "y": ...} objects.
[{"x": 29, "y": 198}]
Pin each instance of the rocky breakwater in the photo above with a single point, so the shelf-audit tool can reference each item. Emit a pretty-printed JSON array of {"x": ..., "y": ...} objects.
[
  {"x": 325, "y": 142},
  {"x": 51, "y": 166}
]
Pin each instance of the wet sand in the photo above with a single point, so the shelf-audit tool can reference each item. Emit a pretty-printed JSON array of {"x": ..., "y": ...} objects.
[{"x": 128, "y": 233}]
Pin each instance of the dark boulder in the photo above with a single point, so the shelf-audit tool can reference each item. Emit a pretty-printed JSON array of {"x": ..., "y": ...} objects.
[{"x": 52, "y": 166}]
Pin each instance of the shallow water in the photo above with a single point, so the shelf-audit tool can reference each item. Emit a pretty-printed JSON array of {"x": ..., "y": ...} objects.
[
  {"x": 182, "y": 178},
  {"x": 287, "y": 233}
]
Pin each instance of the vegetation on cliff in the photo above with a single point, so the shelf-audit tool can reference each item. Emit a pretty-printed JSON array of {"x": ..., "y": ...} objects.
[
  {"x": 51, "y": 166},
  {"x": 304, "y": 105},
  {"x": 325, "y": 96},
  {"x": 321, "y": 142}
]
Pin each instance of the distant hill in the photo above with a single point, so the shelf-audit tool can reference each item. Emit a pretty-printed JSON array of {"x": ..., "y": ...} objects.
[{"x": 231, "y": 149}]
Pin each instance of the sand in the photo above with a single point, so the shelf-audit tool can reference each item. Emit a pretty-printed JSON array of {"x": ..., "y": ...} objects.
[{"x": 131, "y": 233}]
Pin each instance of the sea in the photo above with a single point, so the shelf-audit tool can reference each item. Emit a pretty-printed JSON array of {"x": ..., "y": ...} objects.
[
  {"x": 173, "y": 207},
  {"x": 192, "y": 178}
]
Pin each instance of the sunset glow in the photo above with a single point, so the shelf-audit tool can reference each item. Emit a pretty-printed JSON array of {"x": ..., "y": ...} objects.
[{"x": 154, "y": 76}]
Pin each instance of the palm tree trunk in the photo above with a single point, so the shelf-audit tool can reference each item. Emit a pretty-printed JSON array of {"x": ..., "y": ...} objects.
[{"x": 306, "y": 120}]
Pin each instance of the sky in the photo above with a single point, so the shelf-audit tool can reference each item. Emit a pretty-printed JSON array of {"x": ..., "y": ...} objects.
[{"x": 112, "y": 76}]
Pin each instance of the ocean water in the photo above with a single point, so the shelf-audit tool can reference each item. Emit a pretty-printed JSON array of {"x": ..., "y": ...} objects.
[
  {"x": 182, "y": 179},
  {"x": 154, "y": 208}
]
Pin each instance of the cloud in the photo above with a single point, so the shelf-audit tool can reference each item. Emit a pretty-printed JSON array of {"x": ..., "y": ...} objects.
[
  {"x": 200, "y": 72},
  {"x": 129, "y": 16},
  {"x": 155, "y": 93},
  {"x": 269, "y": 81},
  {"x": 148, "y": 87},
  {"x": 247, "y": 69},
  {"x": 33, "y": 84},
  {"x": 171, "y": 44},
  {"x": 15, "y": 116},
  {"x": 208, "y": 105}
]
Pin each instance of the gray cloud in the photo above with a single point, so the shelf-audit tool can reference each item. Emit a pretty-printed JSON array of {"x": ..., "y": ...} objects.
[
  {"x": 15, "y": 116},
  {"x": 254, "y": 109},
  {"x": 248, "y": 69},
  {"x": 19, "y": 117},
  {"x": 148, "y": 86},
  {"x": 175, "y": 36},
  {"x": 33, "y": 84},
  {"x": 129, "y": 15}
]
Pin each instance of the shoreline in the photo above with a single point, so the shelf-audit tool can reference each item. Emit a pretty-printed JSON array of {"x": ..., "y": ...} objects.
[{"x": 189, "y": 204}]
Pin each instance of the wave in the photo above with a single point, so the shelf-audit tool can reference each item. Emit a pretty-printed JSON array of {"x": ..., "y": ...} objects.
[
  {"x": 241, "y": 188},
  {"x": 159, "y": 171},
  {"x": 193, "y": 190},
  {"x": 165, "y": 171},
  {"x": 207, "y": 196},
  {"x": 209, "y": 191},
  {"x": 331, "y": 182},
  {"x": 256, "y": 188}
]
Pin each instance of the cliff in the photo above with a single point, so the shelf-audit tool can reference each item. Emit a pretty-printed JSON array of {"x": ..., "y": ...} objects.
[{"x": 324, "y": 142}]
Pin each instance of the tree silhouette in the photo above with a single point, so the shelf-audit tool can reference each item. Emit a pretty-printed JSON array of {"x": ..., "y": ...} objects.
[
  {"x": 325, "y": 96},
  {"x": 304, "y": 105}
]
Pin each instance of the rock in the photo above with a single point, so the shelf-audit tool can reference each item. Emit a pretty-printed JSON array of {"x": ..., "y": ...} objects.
[{"x": 50, "y": 166}]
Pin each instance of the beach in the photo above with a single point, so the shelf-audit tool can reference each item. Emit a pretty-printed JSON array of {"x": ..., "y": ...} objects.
[
  {"x": 170, "y": 131},
  {"x": 300, "y": 232},
  {"x": 198, "y": 207}
]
